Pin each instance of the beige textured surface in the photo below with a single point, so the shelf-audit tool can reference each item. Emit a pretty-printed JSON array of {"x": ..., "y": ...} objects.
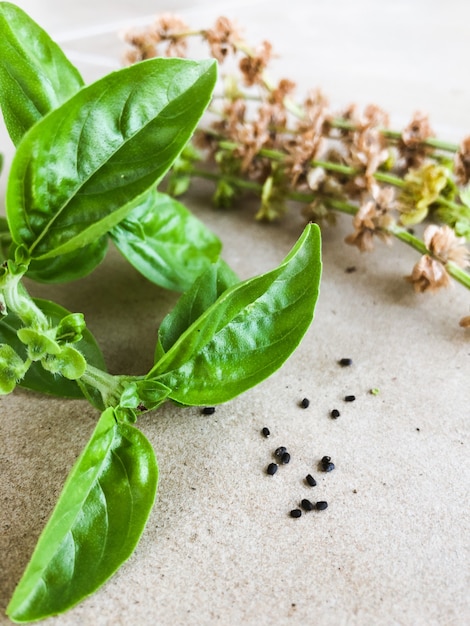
[{"x": 393, "y": 546}]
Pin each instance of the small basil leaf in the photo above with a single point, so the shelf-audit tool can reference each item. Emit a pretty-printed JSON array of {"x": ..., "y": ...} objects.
[
  {"x": 81, "y": 169},
  {"x": 247, "y": 333},
  {"x": 69, "y": 266},
  {"x": 37, "y": 378},
  {"x": 96, "y": 523},
  {"x": 193, "y": 303},
  {"x": 35, "y": 75},
  {"x": 146, "y": 394},
  {"x": 165, "y": 242}
]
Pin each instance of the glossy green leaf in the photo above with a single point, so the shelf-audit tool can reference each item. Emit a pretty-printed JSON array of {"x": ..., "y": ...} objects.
[
  {"x": 37, "y": 378},
  {"x": 95, "y": 525},
  {"x": 247, "y": 333},
  {"x": 35, "y": 75},
  {"x": 193, "y": 303},
  {"x": 81, "y": 169},
  {"x": 69, "y": 266},
  {"x": 165, "y": 242}
]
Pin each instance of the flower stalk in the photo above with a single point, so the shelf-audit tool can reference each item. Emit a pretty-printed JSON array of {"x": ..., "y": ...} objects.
[{"x": 262, "y": 141}]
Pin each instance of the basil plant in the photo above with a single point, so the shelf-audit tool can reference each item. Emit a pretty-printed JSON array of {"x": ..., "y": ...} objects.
[{"x": 88, "y": 162}]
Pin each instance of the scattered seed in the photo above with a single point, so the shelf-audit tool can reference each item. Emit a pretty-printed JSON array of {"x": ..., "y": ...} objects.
[
  {"x": 307, "y": 505},
  {"x": 321, "y": 506},
  {"x": 272, "y": 469},
  {"x": 335, "y": 414},
  {"x": 295, "y": 513},
  {"x": 208, "y": 410},
  {"x": 285, "y": 458},
  {"x": 350, "y": 269},
  {"x": 265, "y": 431},
  {"x": 310, "y": 480},
  {"x": 375, "y": 391},
  {"x": 345, "y": 362},
  {"x": 305, "y": 403},
  {"x": 280, "y": 451},
  {"x": 326, "y": 464},
  {"x": 349, "y": 398}
]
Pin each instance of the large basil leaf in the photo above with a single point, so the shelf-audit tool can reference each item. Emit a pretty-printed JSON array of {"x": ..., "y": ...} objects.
[
  {"x": 193, "y": 303},
  {"x": 69, "y": 266},
  {"x": 81, "y": 169},
  {"x": 247, "y": 333},
  {"x": 37, "y": 378},
  {"x": 35, "y": 75},
  {"x": 165, "y": 242},
  {"x": 95, "y": 525}
]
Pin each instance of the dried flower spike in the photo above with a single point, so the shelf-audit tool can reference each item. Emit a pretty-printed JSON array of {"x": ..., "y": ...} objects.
[{"x": 262, "y": 141}]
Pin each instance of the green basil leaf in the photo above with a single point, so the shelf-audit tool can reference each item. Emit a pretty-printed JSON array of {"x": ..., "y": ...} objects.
[
  {"x": 4, "y": 225},
  {"x": 165, "y": 242},
  {"x": 247, "y": 333},
  {"x": 37, "y": 378},
  {"x": 5, "y": 239},
  {"x": 35, "y": 75},
  {"x": 69, "y": 266},
  {"x": 95, "y": 525},
  {"x": 81, "y": 169},
  {"x": 193, "y": 303}
]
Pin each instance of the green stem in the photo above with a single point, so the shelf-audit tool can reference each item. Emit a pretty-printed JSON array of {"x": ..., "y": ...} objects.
[
  {"x": 18, "y": 300},
  {"x": 432, "y": 142},
  {"x": 330, "y": 166},
  {"x": 458, "y": 274},
  {"x": 411, "y": 240},
  {"x": 109, "y": 386},
  {"x": 239, "y": 182}
]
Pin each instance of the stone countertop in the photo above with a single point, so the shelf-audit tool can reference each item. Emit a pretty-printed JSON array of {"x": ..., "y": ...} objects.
[{"x": 220, "y": 548}]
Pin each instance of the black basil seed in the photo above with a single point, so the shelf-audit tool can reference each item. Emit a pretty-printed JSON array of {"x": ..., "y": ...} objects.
[
  {"x": 285, "y": 458},
  {"x": 310, "y": 480},
  {"x": 280, "y": 451},
  {"x": 335, "y": 413},
  {"x": 272, "y": 469},
  {"x": 266, "y": 432},
  {"x": 349, "y": 398},
  {"x": 321, "y": 506},
  {"x": 295, "y": 513},
  {"x": 326, "y": 464},
  {"x": 305, "y": 403},
  {"x": 307, "y": 505},
  {"x": 345, "y": 362},
  {"x": 208, "y": 410}
]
